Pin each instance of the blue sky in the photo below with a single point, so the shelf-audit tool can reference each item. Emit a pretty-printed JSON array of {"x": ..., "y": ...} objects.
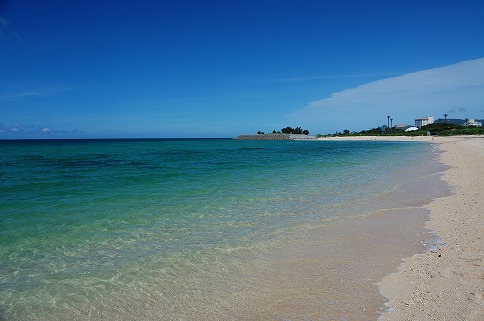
[{"x": 95, "y": 69}]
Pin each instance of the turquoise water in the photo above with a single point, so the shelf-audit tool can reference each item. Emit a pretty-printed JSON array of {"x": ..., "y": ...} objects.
[{"x": 113, "y": 228}]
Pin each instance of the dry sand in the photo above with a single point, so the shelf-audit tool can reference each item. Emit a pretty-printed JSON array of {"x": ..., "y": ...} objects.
[{"x": 448, "y": 282}]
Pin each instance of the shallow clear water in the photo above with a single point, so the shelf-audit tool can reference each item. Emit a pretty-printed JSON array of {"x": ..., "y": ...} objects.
[{"x": 183, "y": 229}]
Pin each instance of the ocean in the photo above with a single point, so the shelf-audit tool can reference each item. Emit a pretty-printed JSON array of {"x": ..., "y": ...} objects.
[{"x": 208, "y": 229}]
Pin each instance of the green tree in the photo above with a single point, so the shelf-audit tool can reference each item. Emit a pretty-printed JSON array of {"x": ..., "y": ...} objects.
[{"x": 287, "y": 130}]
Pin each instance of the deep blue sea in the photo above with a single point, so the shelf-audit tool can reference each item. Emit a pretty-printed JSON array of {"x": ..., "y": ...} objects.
[{"x": 193, "y": 229}]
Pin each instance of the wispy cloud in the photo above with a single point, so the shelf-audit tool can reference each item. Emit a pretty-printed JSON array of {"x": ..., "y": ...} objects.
[
  {"x": 18, "y": 130},
  {"x": 21, "y": 94},
  {"x": 7, "y": 33},
  {"x": 326, "y": 77},
  {"x": 12, "y": 94},
  {"x": 453, "y": 89},
  {"x": 3, "y": 26},
  {"x": 456, "y": 110}
]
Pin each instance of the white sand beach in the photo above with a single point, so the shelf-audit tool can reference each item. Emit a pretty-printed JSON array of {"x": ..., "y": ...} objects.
[
  {"x": 379, "y": 138},
  {"x": 448, "y": 282}
]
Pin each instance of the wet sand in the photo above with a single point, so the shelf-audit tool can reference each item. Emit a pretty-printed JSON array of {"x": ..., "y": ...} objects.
[
  {"x": 448, "y": 282},
  {"x": 325, "y": 271}
]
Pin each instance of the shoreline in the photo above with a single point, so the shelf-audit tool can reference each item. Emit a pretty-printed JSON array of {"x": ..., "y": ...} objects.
[
  {"x": 447, "y": 283},
  {"x": 379, "y": 138},
  {"x": 330, "y": 270}
]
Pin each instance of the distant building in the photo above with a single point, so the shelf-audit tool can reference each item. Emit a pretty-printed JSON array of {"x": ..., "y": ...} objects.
[
  {"x": 419, "y": 122},
  {"x": 473, "y": 122}
]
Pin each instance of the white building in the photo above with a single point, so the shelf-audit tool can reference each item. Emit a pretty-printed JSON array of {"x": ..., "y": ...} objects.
[
  {"x": 419, "y": 122},
  {"x": 473, "y": 122}
]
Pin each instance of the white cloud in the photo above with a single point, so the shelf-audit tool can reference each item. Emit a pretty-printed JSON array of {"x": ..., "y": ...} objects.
[
  {"x": 17, "y": 130},
  {"x": 456, "y": 89}
]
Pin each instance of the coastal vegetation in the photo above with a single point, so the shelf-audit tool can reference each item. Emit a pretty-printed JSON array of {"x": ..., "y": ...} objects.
[
  {"x": 436, "y": 129},
  {"x": 289, "y": 130},
  {"x": 286, "y": 133},
  {"x": 452, "y": 129}
]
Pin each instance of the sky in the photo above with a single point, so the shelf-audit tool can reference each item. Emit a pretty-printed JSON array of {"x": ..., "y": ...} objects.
[{"x": 185, "y": 68}]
